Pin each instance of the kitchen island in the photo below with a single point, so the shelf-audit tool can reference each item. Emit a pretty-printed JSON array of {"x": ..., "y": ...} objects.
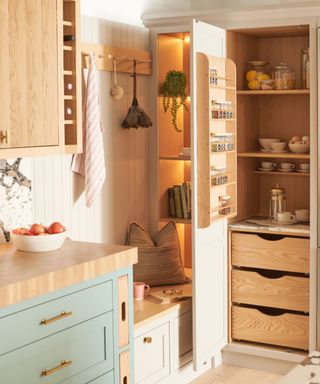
[{"x": 66, "y": 315}]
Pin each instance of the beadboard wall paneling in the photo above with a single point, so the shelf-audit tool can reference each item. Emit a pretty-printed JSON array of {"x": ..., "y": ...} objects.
[{"x": 58, "y": 193}]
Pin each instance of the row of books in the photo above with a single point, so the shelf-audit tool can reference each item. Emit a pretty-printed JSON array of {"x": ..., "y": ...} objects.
[{"x": 180, "y": 200}]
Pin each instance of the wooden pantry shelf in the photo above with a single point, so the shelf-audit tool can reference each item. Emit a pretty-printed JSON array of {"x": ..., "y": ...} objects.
[
  {"x": 277, "y": 173},
  {"x": 274, "y": 92},
  {"x": 67, "y": 23},
  {"x": 68, "y": 97},
  {"x": 285, "y": 155},
  {"x": 68, "y": 122},
  {"x": 181, "y": 158},
  {"x": 176, "y": 219},
  {"x": 67, "y": 48},
  {"x": 68, "y": 73},
  {"x": 223, "y": 185},
  {"x": 221, "y": 87}
]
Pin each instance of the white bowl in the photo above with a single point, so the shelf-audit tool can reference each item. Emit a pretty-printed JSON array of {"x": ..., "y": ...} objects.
[
  {"x": 278, "y": 146},
  {"x": 265, "y": 143},
  {"x": 38, "y": 243},
  {"x": 299, "y": 148}
]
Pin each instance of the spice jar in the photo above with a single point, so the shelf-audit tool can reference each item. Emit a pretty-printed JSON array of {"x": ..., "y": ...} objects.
[
  {"x": 257, "y": 71},
  {"x": 284, "y": 76},
  {"x": 224, "y": 205}
]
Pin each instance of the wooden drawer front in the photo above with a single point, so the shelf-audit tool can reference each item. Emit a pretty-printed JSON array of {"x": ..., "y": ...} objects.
[
  {"x": 285, "y": 254},
  {"x": 152, "y": 355},
  {"x": 287, "y": 330},
  {"x": 287, "y": 292},
  {"x": 123, "y": 310},
  {"x": 124, "y": 365},
  {"x": 105, "y": 379},
  {"x": 25, "y": 327},
  {"x": 89, "y": 346},
  {"x": 182, "y": 340}
]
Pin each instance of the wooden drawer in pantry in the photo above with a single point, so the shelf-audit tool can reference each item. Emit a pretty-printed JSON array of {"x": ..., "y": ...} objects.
[
  {"x": 108, "y": 378},
  {"x": 72, "y": 356},
  {"x": 286, "y": 292},
  {"x": 151, "y": 354},
  {"x": 287, "y": 329},
  {"x": 24, "y": 327},
  {"x": 274, "y": 252}
]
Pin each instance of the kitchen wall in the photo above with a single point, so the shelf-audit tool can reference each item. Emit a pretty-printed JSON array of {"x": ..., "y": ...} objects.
[{"x": 58, "y": 194}]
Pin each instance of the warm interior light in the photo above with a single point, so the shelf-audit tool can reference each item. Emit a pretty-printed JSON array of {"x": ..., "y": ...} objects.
[
  {"x": 187, "y": 39},
  {"x": 188, "y": 98}
]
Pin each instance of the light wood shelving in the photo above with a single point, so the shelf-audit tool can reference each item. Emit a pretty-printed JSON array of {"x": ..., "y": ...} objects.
[
  {"x": 274, "y": 92},
  {"x": 176, "y": 219},
  {"x": 179, "y": 158},
  {"x": 285, "y": 155},
  {"x": 279, "y": 173}
]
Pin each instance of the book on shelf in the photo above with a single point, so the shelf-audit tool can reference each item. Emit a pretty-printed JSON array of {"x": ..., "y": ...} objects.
[
  {"x": 172, "y": 211},
  {"x": 179, "y": 199}
]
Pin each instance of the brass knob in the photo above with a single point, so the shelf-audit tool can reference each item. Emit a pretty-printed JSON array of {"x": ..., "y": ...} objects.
[
  {"x": 4, "y": 137},
  {"x": 147, "y": 340}
]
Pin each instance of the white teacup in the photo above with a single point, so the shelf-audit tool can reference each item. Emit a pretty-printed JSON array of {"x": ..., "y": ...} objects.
[
  {"x": 278, "y": 146},
  {"x": 285, "y": 217},
  {"x": 268, "y": 165},
  {"x": 304, "y": 166},
  {"x": 302, "y": 214},
  {"x": 287, "y": 166}
]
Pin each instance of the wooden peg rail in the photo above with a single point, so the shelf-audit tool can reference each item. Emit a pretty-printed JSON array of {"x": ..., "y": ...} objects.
[{"x": 105, "y": 54}]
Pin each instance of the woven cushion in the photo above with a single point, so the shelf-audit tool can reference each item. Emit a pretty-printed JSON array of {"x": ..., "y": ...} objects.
[{"x": 159, "y": 260}]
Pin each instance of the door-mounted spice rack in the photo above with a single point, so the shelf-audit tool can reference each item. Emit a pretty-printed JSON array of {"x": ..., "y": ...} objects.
[
  {"x": 125, "y": 57},
  {"x": 216, "y": 122},
  {"x": 72, "y": 77}
]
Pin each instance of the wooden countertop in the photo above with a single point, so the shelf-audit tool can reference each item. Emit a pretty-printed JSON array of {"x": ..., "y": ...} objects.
[{"x": 25, "y": 275}]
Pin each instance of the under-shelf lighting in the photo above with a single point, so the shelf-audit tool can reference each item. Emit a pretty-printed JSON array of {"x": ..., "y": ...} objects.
[{"x": 187, "y": 39}]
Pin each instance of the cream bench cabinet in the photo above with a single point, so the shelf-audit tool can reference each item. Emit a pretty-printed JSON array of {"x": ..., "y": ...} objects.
[{"x": 81, "y": 333}]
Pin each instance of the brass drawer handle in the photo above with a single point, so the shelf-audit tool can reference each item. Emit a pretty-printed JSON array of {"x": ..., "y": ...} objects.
[
  {"x": 147, "y": 340},
  {"x": 63, "y": 364},
  {"x": 62, "y": 315},
  {"x": 4, "y": 137}
]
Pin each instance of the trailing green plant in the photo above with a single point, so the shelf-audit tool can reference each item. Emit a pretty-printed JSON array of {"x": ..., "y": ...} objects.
[{"x": 174, "y": 94}]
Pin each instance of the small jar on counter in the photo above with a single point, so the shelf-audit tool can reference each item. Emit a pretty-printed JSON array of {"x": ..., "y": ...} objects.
[{"x": 284, "y": 76}]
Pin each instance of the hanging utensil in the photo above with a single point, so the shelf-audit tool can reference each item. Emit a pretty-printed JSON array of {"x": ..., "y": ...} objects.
[
  {"x": 136, "y": 116},
  {"x": 116, "y": 91}
]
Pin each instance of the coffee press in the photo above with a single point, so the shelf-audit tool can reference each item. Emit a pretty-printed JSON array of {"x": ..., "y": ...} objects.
[{"x": 277, "y": 201}]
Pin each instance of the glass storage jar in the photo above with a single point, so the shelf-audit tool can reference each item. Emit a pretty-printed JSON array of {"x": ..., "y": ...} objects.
[
  {"x": 257, "y": 71},
  {"x": 284, "y": 76}
]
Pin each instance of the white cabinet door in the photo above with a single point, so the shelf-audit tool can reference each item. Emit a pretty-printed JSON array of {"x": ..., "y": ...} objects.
[{"x": 209, "y": 252}]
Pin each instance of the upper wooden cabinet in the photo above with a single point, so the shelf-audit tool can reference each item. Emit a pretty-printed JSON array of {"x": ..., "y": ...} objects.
[{"x": 32, "y": 97}]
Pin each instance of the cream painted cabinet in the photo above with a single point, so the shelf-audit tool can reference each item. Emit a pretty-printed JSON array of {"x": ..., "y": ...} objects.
[{"x": 32, "y": 64}]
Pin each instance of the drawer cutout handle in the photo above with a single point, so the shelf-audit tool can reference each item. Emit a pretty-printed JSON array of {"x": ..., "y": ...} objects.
[
  {"x": 270, "y": 236},
  {"x": 123, "y": 311},
  {"x": 271, "y": 274},
  {"x": 63, "y": 364},
  {"x": 125, "y": 380},
  {"x": 271, "y": 311},
  {"x": 147, "y": 340},
  {"x": 62, "y": 315}
]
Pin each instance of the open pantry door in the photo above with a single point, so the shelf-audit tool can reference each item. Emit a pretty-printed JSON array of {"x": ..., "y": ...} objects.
[{"x": 209, "y": 253}]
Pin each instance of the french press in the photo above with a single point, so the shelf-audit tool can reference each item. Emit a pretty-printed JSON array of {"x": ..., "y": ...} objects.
[{"x": 277, "y": 201}]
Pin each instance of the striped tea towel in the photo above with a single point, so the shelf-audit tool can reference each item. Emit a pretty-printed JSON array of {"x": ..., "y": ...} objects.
[{"x": 91, "y": 164}]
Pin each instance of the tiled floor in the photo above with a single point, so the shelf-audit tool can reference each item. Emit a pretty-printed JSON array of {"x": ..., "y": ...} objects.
[{"x": 227, "y": 374}]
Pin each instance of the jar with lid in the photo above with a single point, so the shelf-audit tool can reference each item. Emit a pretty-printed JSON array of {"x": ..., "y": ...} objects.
[
  {"x": 277, "y": 201},
  {"x": 224, "y": 205},
  {"x": 284, "y": 76},
  {"x": 257, "y": 72}
]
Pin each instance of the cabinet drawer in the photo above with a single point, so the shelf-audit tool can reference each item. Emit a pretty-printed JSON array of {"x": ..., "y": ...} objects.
[
  {"x": 287, "y": 292},
  {"x": 88, "y": 346},
  {"x": 24, "y": 327},
  {"x": 182, "y": 340},
  {"x": 152, "y": 355},
  {"x": 270, "y": 252},
  {"x": 287, "y": 330}
]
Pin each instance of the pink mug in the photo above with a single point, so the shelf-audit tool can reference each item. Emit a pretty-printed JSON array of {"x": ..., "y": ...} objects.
[{"x": 139, "y": 290}]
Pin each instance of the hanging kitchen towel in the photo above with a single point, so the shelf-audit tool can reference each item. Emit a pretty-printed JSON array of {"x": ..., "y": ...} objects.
[{"x": 91, "y": 164}]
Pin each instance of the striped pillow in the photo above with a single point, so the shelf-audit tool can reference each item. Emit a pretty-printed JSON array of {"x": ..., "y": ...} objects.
[{"x": 159, "y": 260}]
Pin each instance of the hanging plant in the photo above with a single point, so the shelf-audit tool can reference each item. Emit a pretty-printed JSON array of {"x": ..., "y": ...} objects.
[{"x": 174, "y": 95}]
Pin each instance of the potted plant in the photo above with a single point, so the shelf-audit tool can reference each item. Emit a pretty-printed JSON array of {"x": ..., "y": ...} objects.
[{"x": 174, "y": 94}]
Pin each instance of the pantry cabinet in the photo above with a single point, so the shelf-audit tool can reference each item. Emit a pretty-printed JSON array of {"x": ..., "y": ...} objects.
[
  {"x": 33, "y": 64},
  {"x": 220, "y": 318}
]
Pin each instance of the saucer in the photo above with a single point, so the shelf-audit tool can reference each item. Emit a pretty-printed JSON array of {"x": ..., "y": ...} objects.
[
  {"x": 284, "y": 222},
  {"x": 303, "y": 170},
  {"x": 286, "y": 170},
  {"x": 266, "y": 169},
  {"x": 284, "y": 151}
]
